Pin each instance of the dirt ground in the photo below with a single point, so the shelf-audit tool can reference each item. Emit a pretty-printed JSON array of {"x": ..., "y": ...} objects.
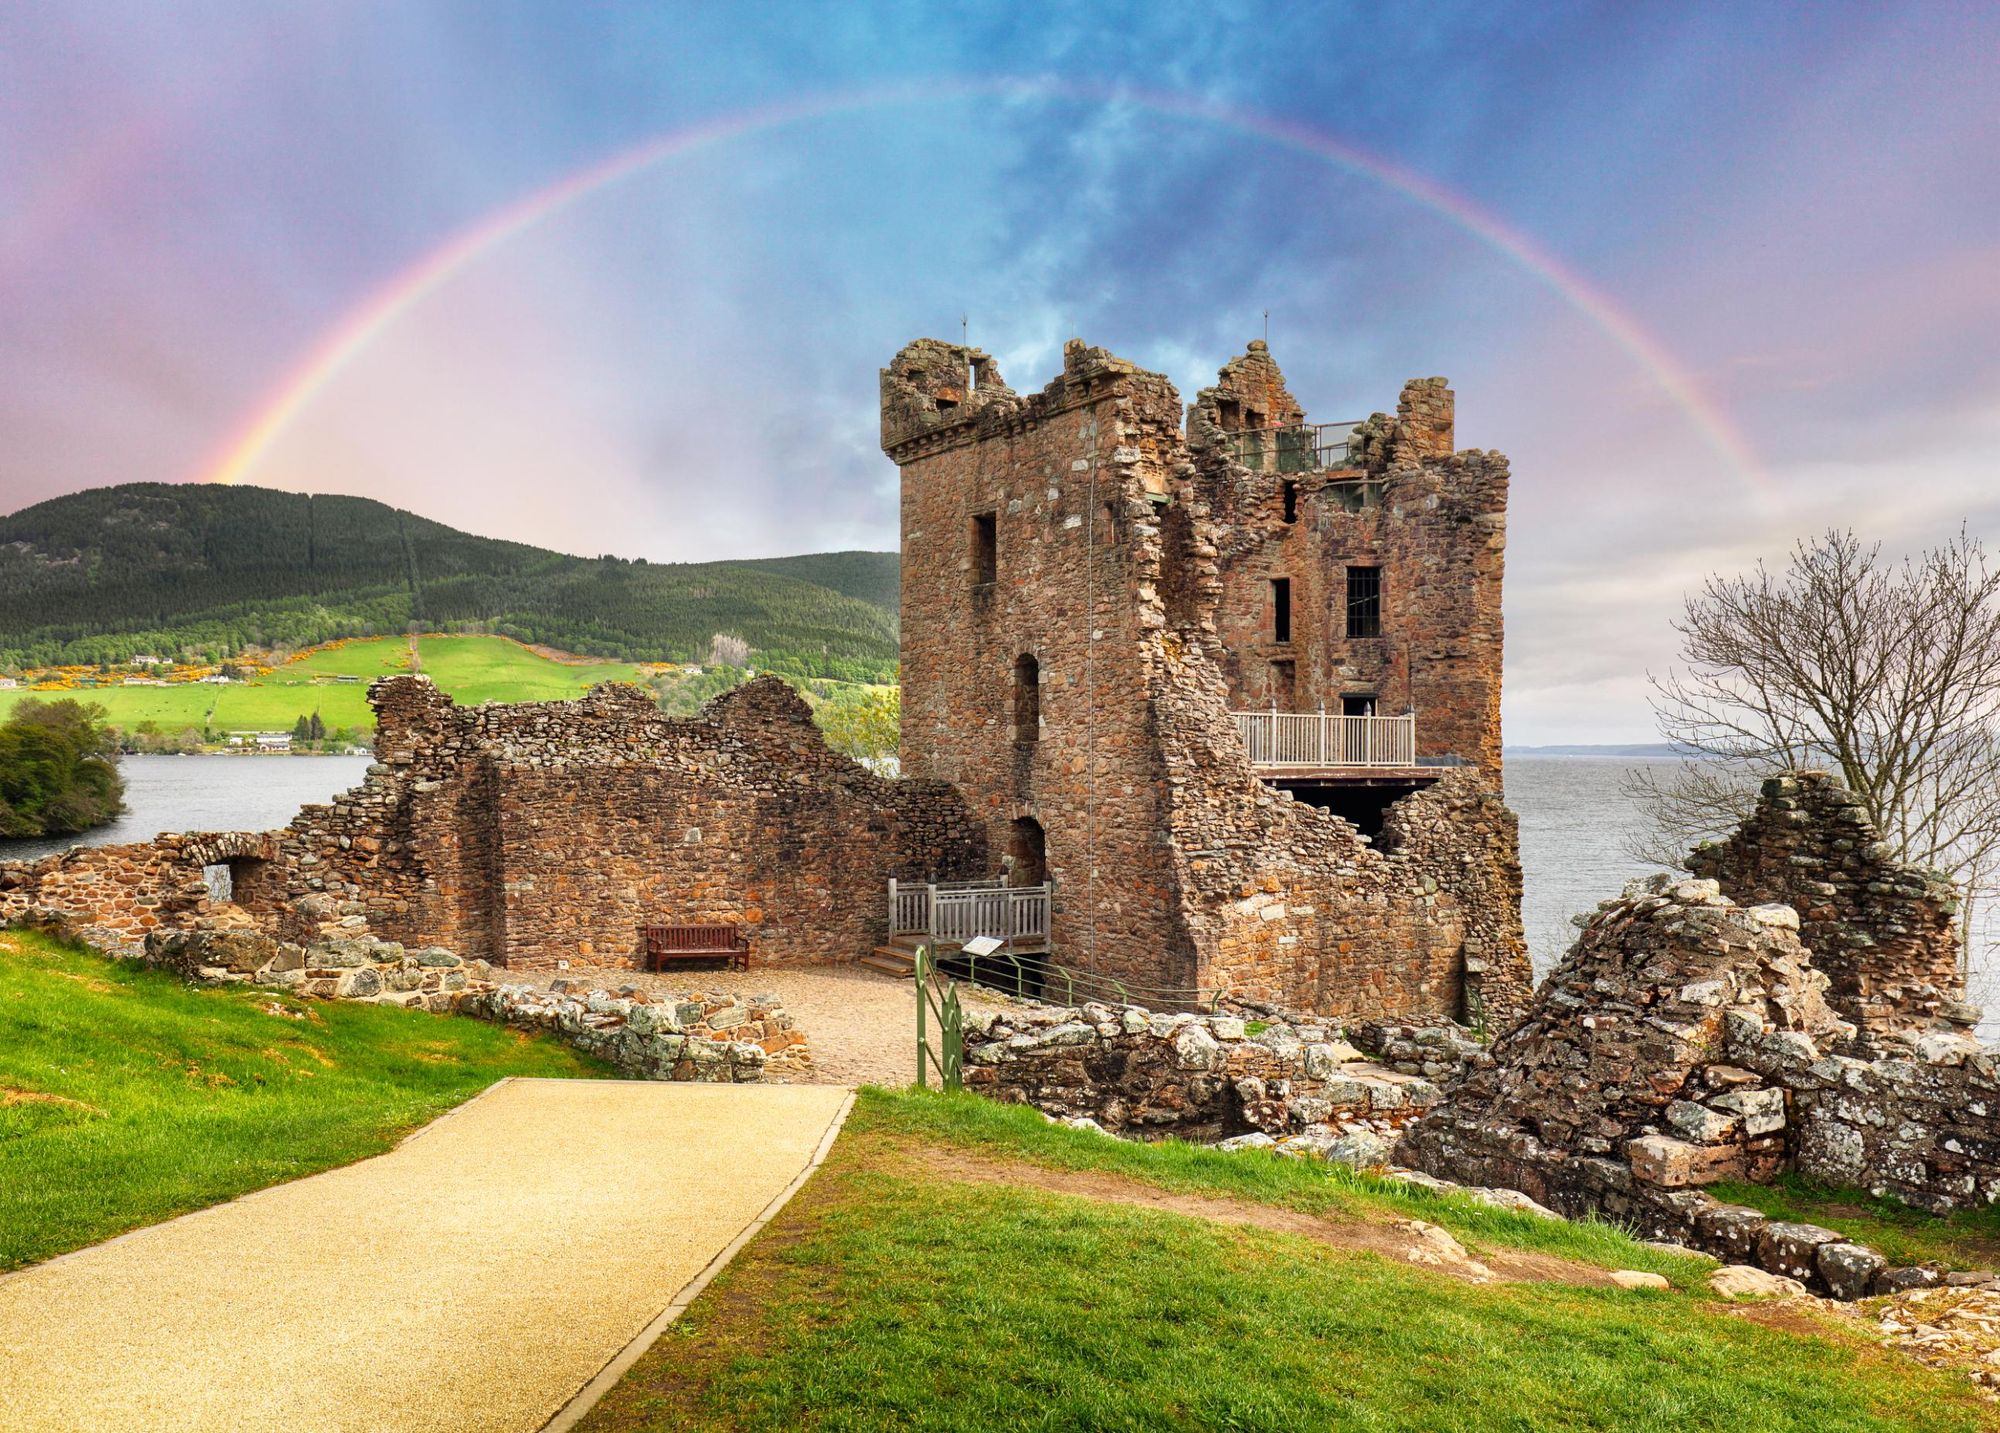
[{"x": 861, "y": 1026}]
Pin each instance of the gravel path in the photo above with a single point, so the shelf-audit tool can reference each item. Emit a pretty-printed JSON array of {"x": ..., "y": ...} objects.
[
  {"x": 471, "y": 1280},
  {"x": 861, "y": 1026}
]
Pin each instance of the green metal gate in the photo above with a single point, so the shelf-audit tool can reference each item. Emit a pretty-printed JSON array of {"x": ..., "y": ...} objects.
[{"x": 938, "y": 1007}]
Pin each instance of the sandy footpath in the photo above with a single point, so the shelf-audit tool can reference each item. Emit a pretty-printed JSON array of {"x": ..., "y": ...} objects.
[{"x": 472, "y": 1279}]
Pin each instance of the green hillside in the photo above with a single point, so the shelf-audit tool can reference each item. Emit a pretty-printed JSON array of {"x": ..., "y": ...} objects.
[
  {"x": 872, "y": 577},
  {"x": 100, "y": 576}
]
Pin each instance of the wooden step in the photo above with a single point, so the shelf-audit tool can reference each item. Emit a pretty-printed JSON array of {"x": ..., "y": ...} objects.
[{"x": 889, "y": 961}]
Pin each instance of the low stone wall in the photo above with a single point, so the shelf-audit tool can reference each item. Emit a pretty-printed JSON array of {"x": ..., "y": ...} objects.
[
  {"x": 1682, "y": 1041},
  {"x": 113, "y": 897},
  {"x": 1923, "y": 1129},
  {"x": 1202, "y": 1078},
  {"x": 715, "y": 1038},
  {"x": 382, "y": 972}
]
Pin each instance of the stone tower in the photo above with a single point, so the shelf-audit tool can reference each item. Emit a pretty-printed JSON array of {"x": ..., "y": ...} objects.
[{"x": 1086, "y": 603}]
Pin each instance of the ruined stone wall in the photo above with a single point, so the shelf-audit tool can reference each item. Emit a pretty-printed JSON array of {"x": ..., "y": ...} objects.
[
  {"x": 544, "y": 832},
  {"x": 1685, "y": 1040},
  {"x": 1885, "y": 932},
  {"x": 1461, "y": 834},
  {"x": 1434, "y": 523},
  {"x": 1152, "y": 1075},
  {"x": 115, "y": 896},
  {"x": 1288, "y": 904}
]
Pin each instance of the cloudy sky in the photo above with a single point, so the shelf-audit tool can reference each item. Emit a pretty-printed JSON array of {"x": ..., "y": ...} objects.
[{"x": 619, "y": 278}]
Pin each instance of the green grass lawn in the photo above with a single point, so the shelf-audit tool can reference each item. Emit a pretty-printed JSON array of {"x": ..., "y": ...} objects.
[
  {"x": 127, "y": 1098},
  {"x": 471, "y": 669},
  {"x": 1969, "y": 1239},
  {"x": 890, "y": 1295},
  {"x": 1263, "y": 1178}
]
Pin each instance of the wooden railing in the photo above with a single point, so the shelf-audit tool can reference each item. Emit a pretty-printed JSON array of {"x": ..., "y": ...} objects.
[
  {"x": 954, "y": 912},
  {"x": 1325, "y": 740}
]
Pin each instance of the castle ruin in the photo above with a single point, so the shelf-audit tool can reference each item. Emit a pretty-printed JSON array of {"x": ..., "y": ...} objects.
[
  {"x": 1227, "y": 680},
  {"x": 1216, "y": 690}
]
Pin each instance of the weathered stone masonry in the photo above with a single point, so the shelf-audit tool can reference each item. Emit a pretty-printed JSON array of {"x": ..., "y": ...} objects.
[
  {"x": 1883, "y": 931},
  {"x": 552, "y": 831},
  {"x": 538, "y": 833},
  {"x": 1687, "y": 1039},
  {"x": 1071, "y": 564}
]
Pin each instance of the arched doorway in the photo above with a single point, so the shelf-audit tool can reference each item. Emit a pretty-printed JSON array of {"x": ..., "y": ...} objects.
[{"x": 1028, "y": 846}]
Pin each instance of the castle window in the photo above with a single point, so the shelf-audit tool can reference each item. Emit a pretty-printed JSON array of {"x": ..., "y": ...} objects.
[
  {"x": 1291, "y": 501},
  {"x": 1109, "y": 535},
  {"x": 1281, "y": 609},
  {"x": 1364, "y": 601},
  {"x": 1228, "y": 415},
  {"x": 1027, "y": 698},
  {"x": 985, "y": 548}
]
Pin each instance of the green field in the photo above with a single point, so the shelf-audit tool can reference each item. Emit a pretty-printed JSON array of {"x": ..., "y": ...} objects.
[
  {"x": 127, "y": 1098},
  {"x": 471, "y": 669}
]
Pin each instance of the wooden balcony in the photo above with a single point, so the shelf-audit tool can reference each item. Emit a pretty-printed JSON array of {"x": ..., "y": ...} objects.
[{"x": 1300, "y": 743}]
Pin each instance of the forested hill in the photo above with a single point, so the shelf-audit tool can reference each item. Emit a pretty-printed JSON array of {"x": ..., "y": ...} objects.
[{"x": 152, "y": 568}]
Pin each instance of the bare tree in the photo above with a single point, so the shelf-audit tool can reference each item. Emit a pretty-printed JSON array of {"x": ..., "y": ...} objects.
[
  {"x": 1886, "y": 674},
  {"x": 727, "y": 651}
]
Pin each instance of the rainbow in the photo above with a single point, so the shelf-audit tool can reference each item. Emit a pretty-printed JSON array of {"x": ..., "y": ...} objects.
[{"x": 361, "y": 325}]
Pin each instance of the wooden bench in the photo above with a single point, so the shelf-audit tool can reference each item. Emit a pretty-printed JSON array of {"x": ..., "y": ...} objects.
[{"x": 662, "y": 943}]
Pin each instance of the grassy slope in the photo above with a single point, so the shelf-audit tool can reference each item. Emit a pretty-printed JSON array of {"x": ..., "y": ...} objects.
[
  {"x": 887, "y": 1295},
  {"x": 1969, "y": 1239},
  {"x": 127, "y": 1098},
  {"x": 471, "y": 669}
]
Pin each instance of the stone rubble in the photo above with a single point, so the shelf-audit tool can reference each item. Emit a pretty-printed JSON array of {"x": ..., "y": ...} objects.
[
  {"x": 1295, "y": 1087},
  {"x": 1956, "y": 1329},
  {"x": 1686, "y": 1040},
  {"x": 714, "y": 1038}
]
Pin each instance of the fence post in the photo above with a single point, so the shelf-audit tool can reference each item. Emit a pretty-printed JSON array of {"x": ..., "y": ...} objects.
[{"x": 923, "y": 1050}]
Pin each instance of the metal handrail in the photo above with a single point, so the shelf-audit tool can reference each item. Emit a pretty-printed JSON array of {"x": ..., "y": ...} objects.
[
  {"x": 1292, "y": 447},
  {"x": 1056, "y": 983},
  {"x": 1327, "y": 739}
]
